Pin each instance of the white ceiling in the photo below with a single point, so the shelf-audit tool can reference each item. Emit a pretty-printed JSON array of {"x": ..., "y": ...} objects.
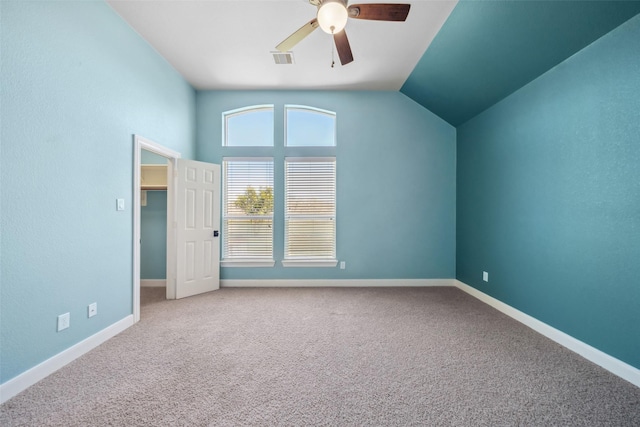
[{"x": 227, "y": 44}]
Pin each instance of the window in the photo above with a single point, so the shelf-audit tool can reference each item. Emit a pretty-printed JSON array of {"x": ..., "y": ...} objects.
[
  {"x": 249, "y": 192},
  {"x": 247, "y": 211},
  {"x": 310, "y": 211},
  {"x": 309, "y": 127},
  {"x": 248, "y": 127}
]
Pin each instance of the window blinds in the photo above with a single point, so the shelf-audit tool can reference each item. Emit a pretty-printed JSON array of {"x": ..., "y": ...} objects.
[
  {"x": 247, "y": 208},
  {"x": 310, "y": 208}
]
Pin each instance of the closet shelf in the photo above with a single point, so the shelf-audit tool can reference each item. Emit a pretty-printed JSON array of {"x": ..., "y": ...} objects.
[{"x": 153, "y": 177}]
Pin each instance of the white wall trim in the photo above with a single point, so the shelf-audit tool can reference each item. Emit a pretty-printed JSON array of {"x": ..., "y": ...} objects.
[
  {"x": 309, "y": 262},
  {"x": 610, "y": 363},
  {"x": 153, "y": 283},
  {"x": 49, "y": 366},
  {"x": 289, "y": 283},
  {"x": 247, "y": 263}
]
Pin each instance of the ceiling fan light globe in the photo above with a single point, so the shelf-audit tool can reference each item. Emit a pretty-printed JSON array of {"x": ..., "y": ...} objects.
[{"x": 332, "y": 16}]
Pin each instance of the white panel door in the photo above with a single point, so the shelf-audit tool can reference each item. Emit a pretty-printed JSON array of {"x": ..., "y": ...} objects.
[{"x": 198, "y": 222}]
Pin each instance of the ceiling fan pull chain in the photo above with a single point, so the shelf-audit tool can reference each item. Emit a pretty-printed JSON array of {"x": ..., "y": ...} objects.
[{"x": 333, "y": 50}]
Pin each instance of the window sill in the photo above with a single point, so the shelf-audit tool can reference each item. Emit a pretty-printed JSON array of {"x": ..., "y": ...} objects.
[
  {"x": 248, "y": 263},
  {"x": 309, "y": 262}
]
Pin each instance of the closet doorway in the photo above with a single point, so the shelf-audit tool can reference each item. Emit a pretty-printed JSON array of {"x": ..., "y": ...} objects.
[
  {"x": 153, "y": 223},
  {"x": 192, "y": 221},
  {"x": 154, "y": 201}
]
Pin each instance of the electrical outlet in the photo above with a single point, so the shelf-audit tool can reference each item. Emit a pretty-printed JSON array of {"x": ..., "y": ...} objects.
[
  {"x": 485, "y": 276},
  {"x": 64, "y": 321},
  {"x": 343, "y": 265},
  {"x": 92, "y": 309}
]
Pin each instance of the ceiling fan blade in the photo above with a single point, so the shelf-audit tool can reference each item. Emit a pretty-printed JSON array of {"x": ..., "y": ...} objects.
[
  {"x": 380, "y": 11},
  {"x": 297, "y": 37},
  {"x": 343, "y": 47}
]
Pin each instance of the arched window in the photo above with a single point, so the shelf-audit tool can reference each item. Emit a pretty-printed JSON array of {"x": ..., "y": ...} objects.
[
  {"x": 248, "y": 127},
  {"x": 247, "y": 211},
  {"x": 310, "y": 187},
  {"x": 309, "y": 127}
]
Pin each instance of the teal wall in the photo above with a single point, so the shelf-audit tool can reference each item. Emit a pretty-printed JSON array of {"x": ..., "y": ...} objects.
[
  {"x": 77, "y": 82},
  {"x": 549, "y": 196},
  {"x": 395, "y": 182},
  {"x": 487, "y": 50},
  {"x": 153, "y": 236}
]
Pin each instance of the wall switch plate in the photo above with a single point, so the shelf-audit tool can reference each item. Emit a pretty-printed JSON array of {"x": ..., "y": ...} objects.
[
  {"x": 92, "y": 309},
  {"x": 120, "y": 204},
  {"x": 343, "y": 265},
  {"x": 485, "y": 276},
  {"x": 64, "y": 321}
]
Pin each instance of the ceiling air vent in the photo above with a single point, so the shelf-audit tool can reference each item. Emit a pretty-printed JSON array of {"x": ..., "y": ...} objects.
[{"x": 283, "y": 58}]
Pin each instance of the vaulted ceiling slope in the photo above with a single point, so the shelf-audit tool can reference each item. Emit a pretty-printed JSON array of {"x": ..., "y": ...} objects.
[{"x": 486, "y": 50}]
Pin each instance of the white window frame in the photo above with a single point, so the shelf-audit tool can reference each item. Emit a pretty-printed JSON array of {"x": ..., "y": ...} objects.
[
  {"x": 238, "y": 112},
  {"x": 311, "y": 261},
  {"x": 312, "y": 110},
  {"x": 244, "y": 262}
]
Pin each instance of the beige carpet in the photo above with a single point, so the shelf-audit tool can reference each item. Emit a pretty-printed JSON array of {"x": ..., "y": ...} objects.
[{"x": 330, "y": 356}]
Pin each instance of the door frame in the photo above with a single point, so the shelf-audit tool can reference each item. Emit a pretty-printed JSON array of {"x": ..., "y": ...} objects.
[{"x": 139, "y": 144}]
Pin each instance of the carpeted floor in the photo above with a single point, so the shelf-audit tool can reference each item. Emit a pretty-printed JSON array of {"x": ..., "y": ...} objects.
[{"x": 326, "y": 356}]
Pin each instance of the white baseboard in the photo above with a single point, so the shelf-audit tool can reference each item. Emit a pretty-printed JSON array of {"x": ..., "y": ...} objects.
[
  {"x": 613, "y": 365},
  {"x": 153, "y": 283},
  {"x": 49, "y": 366},
  {"x": 336, "y": 283},
  {"x": 610, "y": 363}
]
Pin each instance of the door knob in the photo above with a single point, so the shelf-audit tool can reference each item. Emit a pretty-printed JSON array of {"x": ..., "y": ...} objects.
[{"x": 216, "y": 233}]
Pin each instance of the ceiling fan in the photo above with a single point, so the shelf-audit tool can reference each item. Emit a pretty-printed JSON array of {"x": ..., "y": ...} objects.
[{"x": 332, "y": 17}]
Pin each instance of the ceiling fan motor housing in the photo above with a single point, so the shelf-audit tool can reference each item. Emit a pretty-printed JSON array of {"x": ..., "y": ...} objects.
[{"x": 332, "y": 16}]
